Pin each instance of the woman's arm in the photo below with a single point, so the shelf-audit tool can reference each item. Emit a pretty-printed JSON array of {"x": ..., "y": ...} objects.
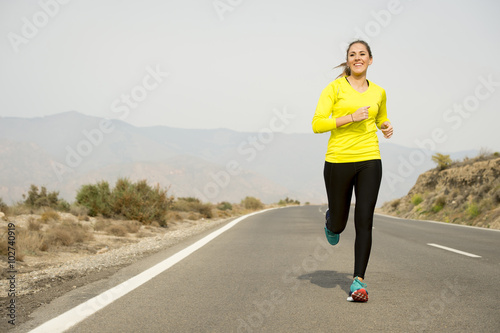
[{"x": 323, "y": 123}]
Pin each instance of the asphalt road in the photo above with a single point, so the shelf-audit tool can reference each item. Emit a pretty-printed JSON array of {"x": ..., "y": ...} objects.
[{"x": 275, "y": 272}]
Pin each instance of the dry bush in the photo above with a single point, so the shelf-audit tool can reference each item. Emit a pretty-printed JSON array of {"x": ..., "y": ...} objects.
[
  {"x": 206, "y": 211},
  {"x": 80, "y": 212},
  {"x": 252, "y": 203},
  {"x": 193, "y": 205},
  {"x": 81, "y": 233},
  {"x": 34, "y": 225},
  {"x": 67, "y": 234},
  {"x": 50, "y": 215},
  {"x": 223, "y": 213},
  {"x": 117, "y": 230},
  {"x": 27, "y": 242},
  {"x": 174, "y": 216},
  {"x": 193, "y": 217},
  {"x": 101, "y": 225},
  {"x": 132, "y": 226},
  {"x": 59, "y": 235},
  {"x": 19, "y": 209},
  {"x": 395, "y": 203}
]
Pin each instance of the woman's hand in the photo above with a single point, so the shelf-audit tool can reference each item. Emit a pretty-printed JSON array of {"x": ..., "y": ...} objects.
[
  {"x": 360, "y": 114},
  {"x": 387, "y": 129}
]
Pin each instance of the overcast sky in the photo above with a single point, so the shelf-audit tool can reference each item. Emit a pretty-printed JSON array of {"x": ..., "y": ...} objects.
[{"x": 238, "y": 63}]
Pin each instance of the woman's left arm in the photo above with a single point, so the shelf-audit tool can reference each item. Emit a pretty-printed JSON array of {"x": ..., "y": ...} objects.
[{"x": 382, "y": 121}]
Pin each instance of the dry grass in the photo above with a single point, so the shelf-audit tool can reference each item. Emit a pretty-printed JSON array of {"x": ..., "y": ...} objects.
[
  {"x": 101, "y": 224},
  {"x": 34, "y": 225},
  {"x": 67, "y": 234},
  {"x": 132, "y": 226},
  {"x": 50, "y": 215},
  {"x": 117, "y": 230}
]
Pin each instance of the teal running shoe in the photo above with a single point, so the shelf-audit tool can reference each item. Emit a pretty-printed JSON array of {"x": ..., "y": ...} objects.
[
  {"x": 331, "y": 237},
  {"x": 358, "y": 291}
]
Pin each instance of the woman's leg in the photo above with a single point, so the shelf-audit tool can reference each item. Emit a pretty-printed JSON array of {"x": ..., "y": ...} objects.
[
  {"x": 366, "y": 187},
  {"x": 339, "y": 181}
]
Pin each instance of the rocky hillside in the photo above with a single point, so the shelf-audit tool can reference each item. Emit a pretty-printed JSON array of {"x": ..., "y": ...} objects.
[{"x": 466, "y": 192}]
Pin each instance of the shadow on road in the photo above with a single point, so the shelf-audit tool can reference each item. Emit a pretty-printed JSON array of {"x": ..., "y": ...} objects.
[{"x": 329, "y": 279}]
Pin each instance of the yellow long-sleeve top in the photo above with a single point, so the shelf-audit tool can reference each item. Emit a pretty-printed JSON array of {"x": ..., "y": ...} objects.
[{"x": 357, "y": 141}]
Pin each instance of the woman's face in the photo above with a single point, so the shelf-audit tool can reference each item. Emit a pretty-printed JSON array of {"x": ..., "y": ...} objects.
[{"x": 358, "y": 58}]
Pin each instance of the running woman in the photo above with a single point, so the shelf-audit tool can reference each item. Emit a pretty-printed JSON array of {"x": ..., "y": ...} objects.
[{"x": 351, "y": 108}]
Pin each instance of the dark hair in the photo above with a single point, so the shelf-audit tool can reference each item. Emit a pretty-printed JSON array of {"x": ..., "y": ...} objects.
[{"x": 347, "y": 70}]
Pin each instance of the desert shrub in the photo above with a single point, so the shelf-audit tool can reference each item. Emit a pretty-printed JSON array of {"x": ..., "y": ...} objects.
[
  {"x": 28, "y": 242},
  {"x": 395, "y": 203},
  {"x": 416, "y": 199},
  {"x": 193, "y": 216},
  {"x": 67, "y": 234},
  {"x": 288, "y": 201},
  {"x": 252, "y": 203},
  {"x": 37, "y": 198},
  {"x": 442, "y": 161},
  {"x": 439, "y": 203},
  {"x": 132, "y": 226},
  {"x": 190, "y": 204},
  {"x": 81, "y": 233},
  {"x": 50, "y": 215},
  {"x": 473, "y": 210},
  {"x": 34, "y": 225},
  {"x": 79, "y": 211},
  {"x": 96, "y": 198},
  {"x": 101, "y": 225},
  {"x": 174, "y": 216},
  {"x": 140, "y": 201},
  {"x": 187, "y": 204},
  {"x": 206, "y": 210},
  {"x": 117, "y": 230},
  {"x": 134, "y": 201},
  {"x": 224, "y": 205}
]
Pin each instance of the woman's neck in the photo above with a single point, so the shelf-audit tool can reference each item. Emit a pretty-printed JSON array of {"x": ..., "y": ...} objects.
[
  {"x": 357, "y": 79},
  {"x": 358, "y": 82}
]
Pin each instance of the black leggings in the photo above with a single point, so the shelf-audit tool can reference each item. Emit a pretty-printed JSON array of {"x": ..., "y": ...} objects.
[{"x": 365, "y": 177}]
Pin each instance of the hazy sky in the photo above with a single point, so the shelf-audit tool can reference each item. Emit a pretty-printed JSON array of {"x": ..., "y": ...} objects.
[{"x": 238, "y": 63}]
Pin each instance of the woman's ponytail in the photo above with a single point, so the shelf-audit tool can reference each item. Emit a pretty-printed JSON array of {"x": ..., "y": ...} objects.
[{"x": 346, "y": 70}]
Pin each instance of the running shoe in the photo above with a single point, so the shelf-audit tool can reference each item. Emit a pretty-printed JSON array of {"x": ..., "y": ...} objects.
[
  {"x": 331, "y": 237},
  {"x": 358, "y": 291}
]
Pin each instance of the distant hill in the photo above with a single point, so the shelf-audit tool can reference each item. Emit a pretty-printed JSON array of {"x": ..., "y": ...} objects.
[
  {"x": 466, "y": 192},
  {"x": 67, "y": 150}
]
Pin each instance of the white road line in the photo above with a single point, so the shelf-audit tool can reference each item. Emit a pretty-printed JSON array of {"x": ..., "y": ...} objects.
[
  {"x": 454, "y": 250},
  {"x": 438, "y": 222},
  {"x": 84, "y": 310}
]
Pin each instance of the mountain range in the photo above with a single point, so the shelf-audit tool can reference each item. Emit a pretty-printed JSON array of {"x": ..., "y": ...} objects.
[{"x": 67, "y": 150}]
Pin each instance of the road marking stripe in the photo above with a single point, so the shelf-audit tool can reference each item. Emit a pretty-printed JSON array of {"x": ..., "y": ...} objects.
[
  {"x": 438, "y": 222},
  {"x": 84, "y": 310},
  {"x": 454, "y": 250}
]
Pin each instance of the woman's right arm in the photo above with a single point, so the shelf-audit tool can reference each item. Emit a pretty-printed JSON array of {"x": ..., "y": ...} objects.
[{"x": 322, "y": 121}]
